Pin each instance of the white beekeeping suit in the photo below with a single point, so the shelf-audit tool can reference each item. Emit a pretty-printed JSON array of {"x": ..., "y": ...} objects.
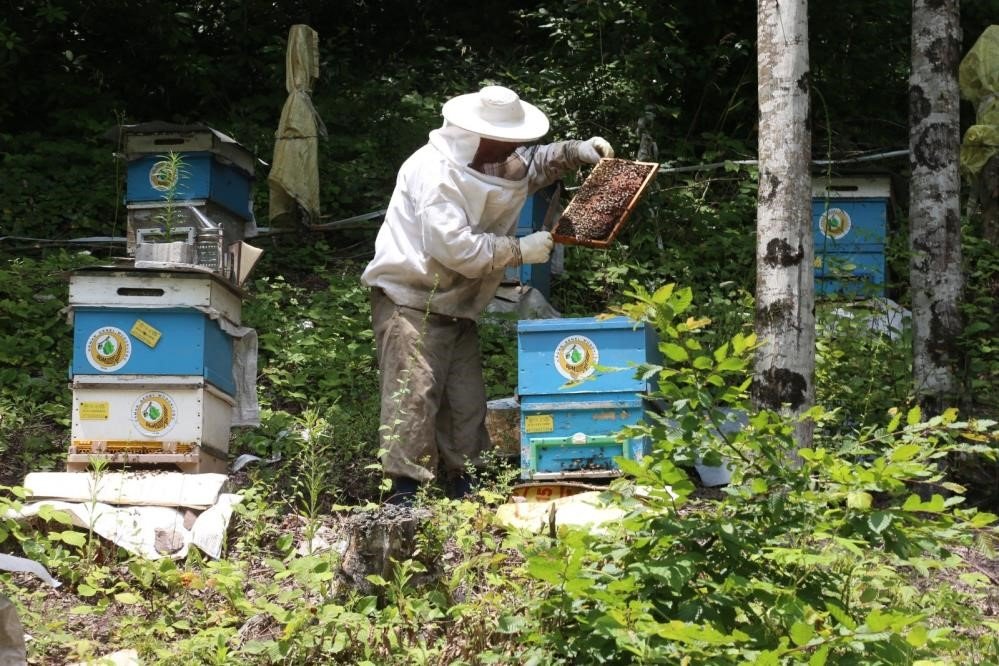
[{"x": 440, "y": 254}]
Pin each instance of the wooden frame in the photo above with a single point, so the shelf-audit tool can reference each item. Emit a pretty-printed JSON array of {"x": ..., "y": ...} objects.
[{"x": 619, "y": 224}]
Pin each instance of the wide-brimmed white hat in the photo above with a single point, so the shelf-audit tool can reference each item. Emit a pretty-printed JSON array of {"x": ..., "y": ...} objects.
[{"x": 496, "y": 113}]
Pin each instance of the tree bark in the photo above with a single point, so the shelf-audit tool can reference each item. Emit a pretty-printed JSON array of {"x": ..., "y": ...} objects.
[
  {"x": 785, "y": 284},
  {"x": 936, "y": 278}
]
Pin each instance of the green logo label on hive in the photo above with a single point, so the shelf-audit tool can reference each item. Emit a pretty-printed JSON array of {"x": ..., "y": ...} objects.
[{"x": 108, "y": 349}]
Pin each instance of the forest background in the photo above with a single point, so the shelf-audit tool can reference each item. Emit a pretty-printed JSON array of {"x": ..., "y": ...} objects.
[{"x": 73, "y": 70}]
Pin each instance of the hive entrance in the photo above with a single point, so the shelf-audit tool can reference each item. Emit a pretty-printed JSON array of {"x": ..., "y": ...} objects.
[{"x": 603, "y": 203}]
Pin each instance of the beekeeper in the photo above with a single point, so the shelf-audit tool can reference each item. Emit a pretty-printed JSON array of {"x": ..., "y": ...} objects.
[{"x": 441, "y": 252}]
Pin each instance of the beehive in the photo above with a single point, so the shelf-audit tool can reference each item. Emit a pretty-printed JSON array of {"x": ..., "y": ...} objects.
[
  {"x": 206, "y": 179},
  {"x": 531, "y": 219},
  {"x": 102, "y": 287},
  {"x": 152, "y": 367},
  {"x": 146, "y": 341},
  {"x": 197, "y": 212},
  {"x": 850, "y": 222},
  {"x": 578, "y": 389}
]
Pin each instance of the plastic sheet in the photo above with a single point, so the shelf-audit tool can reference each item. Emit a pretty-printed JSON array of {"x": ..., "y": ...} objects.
[{"x": 978, "y": 77}]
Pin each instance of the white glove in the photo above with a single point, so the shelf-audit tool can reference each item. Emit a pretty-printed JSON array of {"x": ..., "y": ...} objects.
[
  {"x": 536, "y": 248},
  {"x": 591, "y": 150}
]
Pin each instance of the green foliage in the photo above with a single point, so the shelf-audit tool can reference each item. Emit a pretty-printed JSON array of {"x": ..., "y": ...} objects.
[
  {"x": 37, "y": 341},
  {"x": 170, "y": 173},
  {"x": 316, "y": 345},
  {"x": 981, "y": 330},
  {"x": 861, "y": 369},
  {"x": 794, "y": 562},
  {"x": 316, "y": 357},
  {"x": 835, "y": 560},
  {"x": 54, "y": 188},
  {"x": 498, "y": 340},
  {"x": 602, "y": 65},
  {"x": 35, "y": 349},
  {"x": 695, "y": 229}
]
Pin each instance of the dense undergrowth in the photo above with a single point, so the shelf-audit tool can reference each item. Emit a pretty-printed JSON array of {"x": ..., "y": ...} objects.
[
  {"x": 867, "y": 552},
  {"x": 876, "y": 548}
]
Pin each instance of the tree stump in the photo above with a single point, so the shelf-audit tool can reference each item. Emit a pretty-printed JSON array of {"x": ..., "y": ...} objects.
[{"x": 377, "y": 540}]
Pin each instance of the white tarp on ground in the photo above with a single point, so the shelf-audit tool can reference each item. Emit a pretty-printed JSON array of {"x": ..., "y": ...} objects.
[
  {"x": 151, "y": 532},
  {"x": 195, "y": 491},
  {"x": 151, "y": 514},
  {"x": 586, "y": 509}
]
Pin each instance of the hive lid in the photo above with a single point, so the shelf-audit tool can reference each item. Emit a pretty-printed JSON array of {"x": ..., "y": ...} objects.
[
  {"x": 604, "y": 202},
  {"x": 158, "y": 137},
  {"x": 578, "y": 324}
]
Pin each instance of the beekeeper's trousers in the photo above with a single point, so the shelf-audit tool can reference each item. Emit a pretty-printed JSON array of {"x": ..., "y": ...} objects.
[{"x": 433, "y": 395}]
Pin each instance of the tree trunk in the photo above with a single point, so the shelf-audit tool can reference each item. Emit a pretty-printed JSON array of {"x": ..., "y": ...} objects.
[
  {"x": 934, "y": 201},
  {"x": 785, "y": 284}
]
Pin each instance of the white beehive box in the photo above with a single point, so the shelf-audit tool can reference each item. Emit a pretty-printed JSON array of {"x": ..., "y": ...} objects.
[
  {"x": 139, "y": 418},
  {"x": 118, "y": 288}
]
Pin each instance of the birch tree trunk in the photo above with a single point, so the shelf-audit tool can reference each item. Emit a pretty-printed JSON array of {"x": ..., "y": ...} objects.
[
  {"x": 936, "y": 279},
  {"x": 785, "y": 285}
]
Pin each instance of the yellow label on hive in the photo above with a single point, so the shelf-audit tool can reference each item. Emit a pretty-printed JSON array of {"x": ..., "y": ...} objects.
[
  {"x": 539, "y": 423},
  {"x": 94, "y": 411},
  {"x": 145, "y": 333}
]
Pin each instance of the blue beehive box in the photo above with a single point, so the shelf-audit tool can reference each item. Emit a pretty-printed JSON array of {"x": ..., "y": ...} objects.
[
  {"x": 218, "y": 169},
  {"x": 206, "y": 179},
  {"x": 850, "y": 225},
  {"x": 153, "y": 342},
  {"x": 532, "y": 218},
  {"x": 578, "y": 389}
]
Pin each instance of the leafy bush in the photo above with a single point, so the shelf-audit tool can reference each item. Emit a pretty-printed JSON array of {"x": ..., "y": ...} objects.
[
  {"x": 315, "y": 341},
  {"x": 36, "y": 345},
  {"x": 981, "y": 329},
  {"x": 863, "y": 365},
  {"x": 830, "y": 559},
  {"x": 54, "y": 188}
]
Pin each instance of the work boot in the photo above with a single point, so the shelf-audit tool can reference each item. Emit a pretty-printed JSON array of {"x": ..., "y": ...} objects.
[
  {"x": 460, "y": 486},
  {"x": 403, "y": 491}
]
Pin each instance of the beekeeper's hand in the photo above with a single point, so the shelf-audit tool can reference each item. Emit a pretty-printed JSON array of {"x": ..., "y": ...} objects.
[
  {"x": 591, "y": 150},
  {"x": 536, "y": 248}
]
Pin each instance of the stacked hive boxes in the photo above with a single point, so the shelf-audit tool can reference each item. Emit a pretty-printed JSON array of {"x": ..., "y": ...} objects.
[
  {"x": 204, "y": 207},
  {"x": 850, "y": 220},
  {"x": 152, "y": 367},
  {"x": 153, "y": 346},
  {"x": 578, "y": 389}
]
